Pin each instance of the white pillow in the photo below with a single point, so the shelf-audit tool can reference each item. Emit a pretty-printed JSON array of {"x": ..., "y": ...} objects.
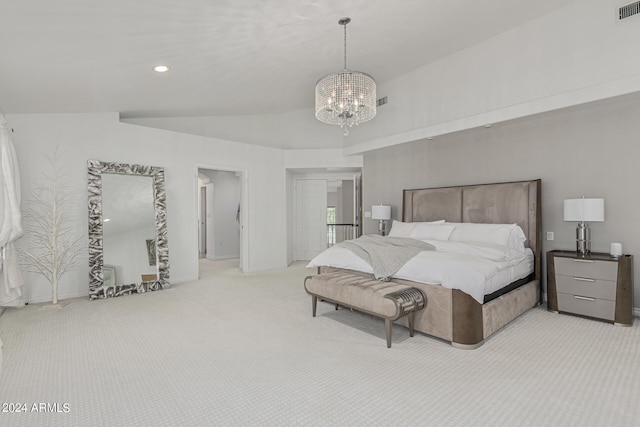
[
  {"x": 517, "y": 239},
  {"x": 432, "y": 231},
  {"x": 403, "y": 229},
  {"x": 502, "y": 234}
]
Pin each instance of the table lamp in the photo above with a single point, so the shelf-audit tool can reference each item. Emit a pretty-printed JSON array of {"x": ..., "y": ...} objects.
[
  {"x": 381, "y": 213},
  {"x": 583, "y": 211}
]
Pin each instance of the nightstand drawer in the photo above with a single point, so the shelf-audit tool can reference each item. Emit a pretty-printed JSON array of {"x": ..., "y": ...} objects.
[
  {"x": 592, "y": 307},
  {"x": 594, "y": 288},
  {"x": 592, "y": 269}
]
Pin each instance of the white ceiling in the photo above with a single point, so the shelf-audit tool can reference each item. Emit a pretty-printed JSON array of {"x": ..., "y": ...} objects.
[{"x": 226, "y": 57}]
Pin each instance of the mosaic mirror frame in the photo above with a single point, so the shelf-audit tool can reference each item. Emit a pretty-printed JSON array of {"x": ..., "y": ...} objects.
[{"x": 97, "y": 288}]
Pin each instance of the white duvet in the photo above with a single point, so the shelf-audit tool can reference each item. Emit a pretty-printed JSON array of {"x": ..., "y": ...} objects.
[{"x": 477, "y": 269}]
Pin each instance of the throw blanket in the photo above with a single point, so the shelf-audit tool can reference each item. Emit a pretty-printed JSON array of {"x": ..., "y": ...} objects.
[{"x": 386, "y": 255}]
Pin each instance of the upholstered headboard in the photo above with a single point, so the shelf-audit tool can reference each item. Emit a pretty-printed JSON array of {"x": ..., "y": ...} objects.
[{"x": 502, "y": 203}]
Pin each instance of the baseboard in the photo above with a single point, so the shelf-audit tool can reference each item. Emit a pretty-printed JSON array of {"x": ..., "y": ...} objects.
[{"x": 41, "y": 299}]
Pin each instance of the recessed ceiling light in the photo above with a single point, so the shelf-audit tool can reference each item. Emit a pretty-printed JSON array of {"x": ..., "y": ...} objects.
[
  {"x": 160, "y": 68},
  {"x": 106, "y": 220}
]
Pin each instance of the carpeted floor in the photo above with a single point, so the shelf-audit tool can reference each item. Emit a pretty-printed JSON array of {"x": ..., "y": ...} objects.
[{"x": 243, "y": 349}]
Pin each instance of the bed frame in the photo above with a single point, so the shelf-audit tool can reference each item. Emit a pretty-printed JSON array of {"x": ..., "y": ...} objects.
[{"x": 450, "y": 314}]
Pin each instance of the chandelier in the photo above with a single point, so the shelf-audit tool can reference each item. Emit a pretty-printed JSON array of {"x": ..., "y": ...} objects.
[{"x": 346, "y": 98}]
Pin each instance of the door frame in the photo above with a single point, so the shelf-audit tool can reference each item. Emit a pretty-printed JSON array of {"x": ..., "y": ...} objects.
[
  {"x": 202, "y": 223},
  {"x": 210, "y": 238},
  {"x": 244, "y": 210}
]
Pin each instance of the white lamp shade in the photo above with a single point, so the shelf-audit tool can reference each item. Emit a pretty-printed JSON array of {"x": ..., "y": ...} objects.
[
  {"x": 380, "y": 212},
  {"x": 587, "y": 210}
]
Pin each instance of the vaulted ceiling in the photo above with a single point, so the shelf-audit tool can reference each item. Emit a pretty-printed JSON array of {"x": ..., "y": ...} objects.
[{"x": 226, "y": 57}]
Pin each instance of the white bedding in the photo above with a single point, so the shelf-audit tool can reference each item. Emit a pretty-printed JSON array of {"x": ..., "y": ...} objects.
[{"x": 477, "y": 269}]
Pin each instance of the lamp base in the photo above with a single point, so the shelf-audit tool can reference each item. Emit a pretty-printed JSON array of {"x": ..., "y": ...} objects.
[
  {"x": 583, "y": 239},
  {"x": 382, "y": 229}
]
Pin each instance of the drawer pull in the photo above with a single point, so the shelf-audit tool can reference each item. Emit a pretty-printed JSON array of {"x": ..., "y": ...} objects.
[
  {"x": 584, "y": 260},
  {"x": 584, "y": 298},
  {"x": 582, "y": 279}
]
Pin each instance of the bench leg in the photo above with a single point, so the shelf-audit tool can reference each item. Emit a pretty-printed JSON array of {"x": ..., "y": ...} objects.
[
  {"x": 314, "y": 304},
  {"x": 387, "y": 326},
  {"x": 412, "y": 318}
]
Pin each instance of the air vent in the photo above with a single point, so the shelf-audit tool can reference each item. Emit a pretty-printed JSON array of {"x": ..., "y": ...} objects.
[
  {"x": 383, "y": 101},
  {"x": 629, "y": 10}
]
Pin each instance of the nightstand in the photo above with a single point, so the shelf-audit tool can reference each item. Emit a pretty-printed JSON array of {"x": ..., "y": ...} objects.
[{"x": 598, "y": 285}]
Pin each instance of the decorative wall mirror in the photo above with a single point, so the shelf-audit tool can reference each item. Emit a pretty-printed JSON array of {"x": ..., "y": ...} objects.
[{"x": 128, "y": 248}]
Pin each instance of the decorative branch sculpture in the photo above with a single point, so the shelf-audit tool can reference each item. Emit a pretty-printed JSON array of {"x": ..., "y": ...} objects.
[{"x": 53, "y": 249}]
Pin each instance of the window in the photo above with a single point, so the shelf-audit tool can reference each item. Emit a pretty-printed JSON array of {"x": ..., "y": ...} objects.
[
  {"x": 331, "y": 215},
  {"x": 331, "y": 229}
]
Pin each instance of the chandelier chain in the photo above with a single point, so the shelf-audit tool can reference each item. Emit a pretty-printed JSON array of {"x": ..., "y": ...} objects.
[{"x": 345, "y": 46}]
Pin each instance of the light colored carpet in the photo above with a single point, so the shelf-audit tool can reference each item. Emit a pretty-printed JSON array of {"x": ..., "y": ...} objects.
[{"x": 234, "y": 349}]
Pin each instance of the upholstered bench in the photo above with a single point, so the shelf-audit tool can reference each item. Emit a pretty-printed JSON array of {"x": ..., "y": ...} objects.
[{"x": 364, "y": 293}]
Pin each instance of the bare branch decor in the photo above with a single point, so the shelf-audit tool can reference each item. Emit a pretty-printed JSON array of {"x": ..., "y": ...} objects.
[{"x": 53, "y": 248}]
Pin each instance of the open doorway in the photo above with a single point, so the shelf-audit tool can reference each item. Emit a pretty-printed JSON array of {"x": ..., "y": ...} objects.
[
  {"x": 324, "y": 208},
  {"x": 343, "y": 210},
  {"x": 221, "y": 222}
]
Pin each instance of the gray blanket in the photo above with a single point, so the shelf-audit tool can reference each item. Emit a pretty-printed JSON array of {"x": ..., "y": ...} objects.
[{"x": 386, "y": 255}]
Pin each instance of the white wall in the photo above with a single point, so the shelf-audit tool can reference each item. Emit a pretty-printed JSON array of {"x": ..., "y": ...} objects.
[
  {"x": 347, "y": 202},
  {"x": 288, "y": 219},
  {"x": 332, "y": 198},
  {"x": 571, "y": 56},
  {"x": 339, "y": 206},
  {"x": 334, "y": 159},
  {"x": 103, "y": 137},
  {"x": 589, "y": 151}
]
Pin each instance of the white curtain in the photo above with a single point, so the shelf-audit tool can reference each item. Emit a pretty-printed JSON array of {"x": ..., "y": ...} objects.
[{"x": 11, "y": 280}]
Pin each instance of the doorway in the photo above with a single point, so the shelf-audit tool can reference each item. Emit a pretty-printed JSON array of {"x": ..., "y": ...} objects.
[
  {"x": 206, "y": 240},
  {"x": 325, "y": 208},
  {"x": 343, "y": 210},
  {"x": 221, "y": 220}
]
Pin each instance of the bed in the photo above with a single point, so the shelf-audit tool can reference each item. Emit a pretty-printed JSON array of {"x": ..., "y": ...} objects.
[{"x": 452, "y": 314}]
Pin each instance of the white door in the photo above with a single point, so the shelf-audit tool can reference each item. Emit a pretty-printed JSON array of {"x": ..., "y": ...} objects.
[{"x": 311, "y": 218}]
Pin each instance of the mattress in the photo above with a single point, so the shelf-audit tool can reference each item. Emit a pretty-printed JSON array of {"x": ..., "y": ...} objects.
[{"x": 475, "y": 268}]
